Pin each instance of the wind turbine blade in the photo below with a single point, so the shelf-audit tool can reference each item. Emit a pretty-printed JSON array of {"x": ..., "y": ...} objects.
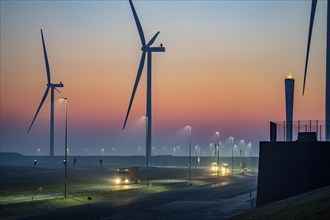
[
  {"x": 311, "y": 24},
  {"x": 41, "y": 103},
  {"x": 46, "y": 58},
  {"x": 138, "y": 76},
  {"x": 152, "y": 39},
  {"x": 138, "y": 24},
  {"x": 57, "y": 90}
]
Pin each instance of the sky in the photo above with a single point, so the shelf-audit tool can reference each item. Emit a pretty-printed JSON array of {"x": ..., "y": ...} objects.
[{"x": 223, "y": 70}]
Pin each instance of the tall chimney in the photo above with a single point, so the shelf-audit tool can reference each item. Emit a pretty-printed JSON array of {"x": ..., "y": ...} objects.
[{"x": 289, "y": 95}]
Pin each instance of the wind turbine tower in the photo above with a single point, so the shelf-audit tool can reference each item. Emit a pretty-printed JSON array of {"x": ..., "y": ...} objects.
[
  {"x": 146, "y": 50},
  {"x": 52, "y": 87},
  {"x": 327, "y": 80}
]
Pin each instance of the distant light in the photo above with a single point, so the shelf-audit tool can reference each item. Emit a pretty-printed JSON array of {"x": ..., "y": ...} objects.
[{"x": 289, "y": 76}]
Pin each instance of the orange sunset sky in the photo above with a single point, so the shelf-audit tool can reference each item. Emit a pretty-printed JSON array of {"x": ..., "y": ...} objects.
[{"x": 223, "y": 70}]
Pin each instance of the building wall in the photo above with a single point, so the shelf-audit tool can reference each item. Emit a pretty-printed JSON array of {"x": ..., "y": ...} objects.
[{"x": 287, "y": 169}]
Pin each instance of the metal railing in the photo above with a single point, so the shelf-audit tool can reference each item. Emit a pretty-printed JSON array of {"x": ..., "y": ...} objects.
[{"x": 317, "y": 126}]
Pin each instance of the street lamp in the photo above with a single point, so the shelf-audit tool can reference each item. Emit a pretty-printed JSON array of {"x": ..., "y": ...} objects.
[
  {"x": 217, "y": 145},
  {"x": 66, "y": 146},
  {"x": 242, "y": 154},
  {"x": 189, "y": 126},
  {"x": 147, "y": 150},
  {"x": 198, "y": 153},
  {"x": 234, "y": 147},
  {"x": 215, "y": 151},
  {"x": 174, "y": 152},
  {"x": 232, "y": 154},
  {"x": 250, "y": 150}
]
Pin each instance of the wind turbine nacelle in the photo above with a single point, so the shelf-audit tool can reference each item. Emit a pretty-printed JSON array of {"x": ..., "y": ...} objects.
[
  {"x": 156, "y": 49},
  {"x": 56, "y": 85}
]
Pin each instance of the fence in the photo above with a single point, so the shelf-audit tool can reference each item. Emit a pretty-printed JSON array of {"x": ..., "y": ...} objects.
[{"x": 317, "y": 126}]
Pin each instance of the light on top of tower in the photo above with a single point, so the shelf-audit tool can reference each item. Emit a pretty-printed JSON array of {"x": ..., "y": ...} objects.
[{"x": 289, "y": 75}]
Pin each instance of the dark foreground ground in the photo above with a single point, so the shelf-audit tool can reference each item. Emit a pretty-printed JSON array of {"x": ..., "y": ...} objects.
[
  {"x": 170, "y": 196},
  {"x": 312, "y": 205}
]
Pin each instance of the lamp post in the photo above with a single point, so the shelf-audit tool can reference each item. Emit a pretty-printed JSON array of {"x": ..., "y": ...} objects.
[
  {"x": 232, "y": 154},
  {"x": 234, "y": 147},
  {"x": 242, "y": 153},
  {"x": 174, "y": 152},
  {"x": 217, "y": 145},
  {"x": 102, "y": 150},
  {"x": 250, "y": 150},
  {"x": 66, "y": 147},
  {"x": 198, "y": 154},
  {"x": 189, "y": 126},
  {"x": 147, "y": 151}
]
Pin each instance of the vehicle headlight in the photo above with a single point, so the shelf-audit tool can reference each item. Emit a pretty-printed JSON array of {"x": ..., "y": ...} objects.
[
  {"x": 117, "y": 180},
  {"x": 126, "y": 181}
]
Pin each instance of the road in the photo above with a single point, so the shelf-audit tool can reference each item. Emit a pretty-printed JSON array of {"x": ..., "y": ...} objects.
[
  {"x": 100, "y": 188},
  {"x": 216, "y": 200}
]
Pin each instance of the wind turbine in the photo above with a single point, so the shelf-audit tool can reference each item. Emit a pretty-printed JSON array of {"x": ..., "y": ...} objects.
[
  {"x": 146, "y": 50},
  {"x": 50, "y": 86},
  {"x": 327, "y": 81}
]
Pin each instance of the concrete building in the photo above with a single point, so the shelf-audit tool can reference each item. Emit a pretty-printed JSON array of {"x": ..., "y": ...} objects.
[{"x": 291, "y": 168}]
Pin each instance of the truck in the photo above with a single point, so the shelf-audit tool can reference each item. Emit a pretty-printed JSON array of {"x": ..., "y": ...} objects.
[{"x": 127, "y": 175}]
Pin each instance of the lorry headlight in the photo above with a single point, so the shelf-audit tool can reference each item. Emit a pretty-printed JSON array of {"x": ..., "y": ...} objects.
[
  {"x": 126, "y": 181},
  {"x": 117, "y": 180}
]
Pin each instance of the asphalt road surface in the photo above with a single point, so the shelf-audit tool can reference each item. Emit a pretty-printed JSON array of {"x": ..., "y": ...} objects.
[{"x": 218, "y": 200}]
